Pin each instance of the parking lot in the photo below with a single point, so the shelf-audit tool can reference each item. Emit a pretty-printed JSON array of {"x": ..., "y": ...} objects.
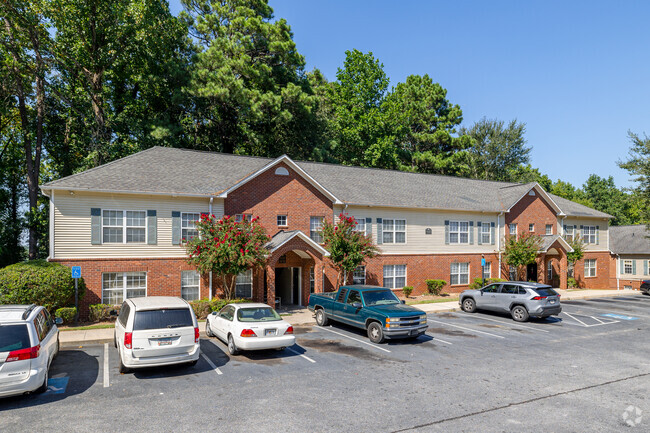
[{"x": 470, "y": 372}]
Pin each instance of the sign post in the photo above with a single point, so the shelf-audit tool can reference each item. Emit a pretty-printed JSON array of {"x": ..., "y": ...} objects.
[
  {"x": 76, "y": 274},
  {"x": 483, "y": 269}
]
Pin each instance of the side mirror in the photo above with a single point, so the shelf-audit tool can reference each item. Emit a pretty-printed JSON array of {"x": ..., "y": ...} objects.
[
  {"x": 58, "y": 321},
  {"x": 113, "y": 313},
  {"x": 403, "y": 301},
  {"x": 357, "y": 304},
  {"x": 214, "y": 313}
]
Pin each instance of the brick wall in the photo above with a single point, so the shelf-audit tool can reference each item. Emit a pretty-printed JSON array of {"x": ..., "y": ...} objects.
[
  {"x": 532, "y": 210},
  {"x": 604, "y": 265}
]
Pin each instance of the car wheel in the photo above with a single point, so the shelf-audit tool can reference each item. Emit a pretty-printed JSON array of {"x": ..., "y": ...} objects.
[
  {"x": 58, "y": 346},
  {"x": 519, "y": 313},
  {"x": 123, "y": 368},
  {"x": 321, "y": 318},
  {"x": 41, "y": 389},
  {"x": 208, "y": 330},
  {"x": 469, "y": 305},
  {"x": 232, "y": 348},
  {"x": 375, "y": 333},
  {"x": 115, "y": 340}
]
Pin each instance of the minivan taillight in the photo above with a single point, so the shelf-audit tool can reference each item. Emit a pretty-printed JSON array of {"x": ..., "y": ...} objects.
[
  {"x": 128, "y": 340},
  {"x": 23, "y": 354},
  {"x": 289, "y": 330},
  {"x": 538, "y": 298},
  {"x": 248, "y": 333},
  {"x": 196, "y": 334}
]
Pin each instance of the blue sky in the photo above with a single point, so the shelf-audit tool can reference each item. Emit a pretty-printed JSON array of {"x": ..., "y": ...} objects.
[{"x": 577, "y": 73}]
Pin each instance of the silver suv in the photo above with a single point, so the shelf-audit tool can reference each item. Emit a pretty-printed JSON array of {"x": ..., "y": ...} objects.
[
  {"x": 522, "y": 300},
  {"x": 29, "y": 341}
]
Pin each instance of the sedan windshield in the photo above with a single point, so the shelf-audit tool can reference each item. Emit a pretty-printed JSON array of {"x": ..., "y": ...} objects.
[
  {"x": 380, "y": 297},
  {"x": 261, "y": 314}
]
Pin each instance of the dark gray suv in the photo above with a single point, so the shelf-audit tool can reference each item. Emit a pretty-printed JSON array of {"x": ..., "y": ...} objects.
[{"x": 522, "y": 300}]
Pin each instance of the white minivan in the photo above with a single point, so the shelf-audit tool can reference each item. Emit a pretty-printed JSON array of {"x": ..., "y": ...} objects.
[
  {"x": 29, "y": 341},
  {"x": 155, "y": 331}
]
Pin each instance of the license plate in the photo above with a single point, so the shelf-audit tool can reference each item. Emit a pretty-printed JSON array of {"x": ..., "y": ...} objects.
[
  {"x": 165, "y": 342},
  {"x": 268, "y": 332}
]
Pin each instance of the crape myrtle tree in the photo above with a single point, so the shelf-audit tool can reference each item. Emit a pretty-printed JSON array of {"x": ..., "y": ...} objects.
[
  {"x": 522, "y": 250},
  {"x": 227, "y": 248},
  {"x": 578, "y": 246},
  {"x": 347, "y": 246}
]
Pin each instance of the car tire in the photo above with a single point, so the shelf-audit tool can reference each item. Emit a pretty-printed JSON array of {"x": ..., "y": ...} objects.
[
  {"x": 115, "y": 339},
  {"x": 58, "y": 346},
  {"x": 375, "y": 333},
  {"x": 469, "y": 305},
  {"x": 41, "y": 389},
  {"x": 232, "y": 348},
  {"x": 519, "y": 313},
  {"x": 123, "y": 369},
  {"x": 321, "y": 318},
  {"x": 208, "y": 330}
]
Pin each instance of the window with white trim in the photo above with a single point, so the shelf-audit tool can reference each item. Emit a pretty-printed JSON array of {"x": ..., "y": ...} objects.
[
  {"x": 485, "y": 233},
  {"x": 243, "y": 217},
  {"x": 394, "y": 231},
  {"x": 569, "y": 233},
  {"x": 459, "y": 273},
  {"x": 117, "y": 223},
  {"x": 531, "y": 228},
  {"x": 627, "y": 267},
  {"x": 359, "y": 276},
  {"x": 316, "y": 229},
  {"x": 589, "y": 234},
  {"x": 590, "y": 267},
  {"x": 394, "y": 276},
  {"x": 361, "y": 225},
  {"x": 244, "y": 284},
  {"x": 118, "y": 286},
  {"x": 282, "y": 220},
  {"x": 512, "y": 229},
  {"x": 487, "y": 270},
  {"x": 458, "y": 232},
  {"x": 312, "y": 280},
  {"x": 188, "y": 225},
  {"x": 190, "y": 285},
  {"x": 549, "y": 229}
]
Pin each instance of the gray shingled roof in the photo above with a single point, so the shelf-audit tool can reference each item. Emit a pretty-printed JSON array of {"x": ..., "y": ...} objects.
[
  {"x": 163, "y": 170},
  {"x": 279, "y": 238},
  {"x": 629, "y": 239}
]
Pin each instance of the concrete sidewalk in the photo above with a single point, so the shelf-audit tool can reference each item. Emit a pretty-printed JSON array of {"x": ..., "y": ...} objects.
[{"x": 302, "y": 316}]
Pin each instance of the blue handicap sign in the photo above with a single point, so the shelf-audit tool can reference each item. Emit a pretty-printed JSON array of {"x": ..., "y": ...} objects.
[
  {"x": 482, "y": 262},
  {"x": 619, "y": 316},
  {"x": 76, "y": 272},
  {"x": 57, "y": 385}
]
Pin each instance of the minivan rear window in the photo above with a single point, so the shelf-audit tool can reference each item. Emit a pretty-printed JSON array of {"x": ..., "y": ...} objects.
[
  {"x": 164, "y": 318},
  {"x": 545, "y": 291},
  {"x": 13, "y": 337}
]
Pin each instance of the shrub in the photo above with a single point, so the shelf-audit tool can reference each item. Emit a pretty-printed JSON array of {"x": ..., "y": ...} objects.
[
  {"x": 407, "y": 291},
  {"x": 66, "y": 313},
  {"x": 39, "y": 282},
  {"x": 434, "y": 287},
  {"x": 99, "y": 312},
  {"x": 203, "y": 307},
  {"x": 572, "y": 283},
  {"x": 478, "y": 282}
]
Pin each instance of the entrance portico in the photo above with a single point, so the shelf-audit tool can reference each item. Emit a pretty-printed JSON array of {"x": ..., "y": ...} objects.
[{"x": 551, "y": 262}]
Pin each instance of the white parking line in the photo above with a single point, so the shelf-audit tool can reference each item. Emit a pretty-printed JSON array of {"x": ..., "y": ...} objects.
[
  {"x": 355, "y": 339},
  {"x": 442, "y": 341},
  {"x": 466, "y": 329},
  {"x": 600, "y": 322},
  {"x": 106, "y": 365},
  {"x": 300, "y": 354},
  {"x": 505, "y": 323},
  {"x": 577, "y": 320},
  {"x": 604, "y": 309},
  {"x": 214, "y": 367}
]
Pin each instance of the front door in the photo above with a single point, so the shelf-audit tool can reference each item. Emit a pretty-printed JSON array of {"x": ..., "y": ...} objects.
[
  {"x": 531, "y": 272},
  {"x": 295, "y": 286}
]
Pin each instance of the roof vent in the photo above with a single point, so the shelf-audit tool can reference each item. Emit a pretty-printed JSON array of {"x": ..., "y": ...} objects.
[
  {"x": 281, "y": 171},
  {"x": 531, "y": 192}
]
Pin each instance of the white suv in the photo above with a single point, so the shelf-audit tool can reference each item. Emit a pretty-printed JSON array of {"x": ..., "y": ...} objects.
[
  {"x": 156, "y": 330},
  {"x": 29, "y": 341}
]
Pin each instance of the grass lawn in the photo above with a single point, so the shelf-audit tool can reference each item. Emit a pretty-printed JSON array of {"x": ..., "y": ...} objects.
[{"x": 432, "y": 301}]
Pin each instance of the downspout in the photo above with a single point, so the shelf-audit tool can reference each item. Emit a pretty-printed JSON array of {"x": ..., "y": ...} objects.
[
  {"x": 499, "y": 240},
  {"x": 210, "y": 286},
  {"x": 618, "y": 270},
  {"x": 51, "y": 225}
]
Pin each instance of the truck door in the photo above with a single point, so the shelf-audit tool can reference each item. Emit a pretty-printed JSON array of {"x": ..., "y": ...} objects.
[{"x": 352, "y": 308}]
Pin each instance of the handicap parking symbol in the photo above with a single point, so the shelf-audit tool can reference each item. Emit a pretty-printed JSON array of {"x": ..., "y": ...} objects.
[
  {"x": 57, "y": 385},
  {"x": 618, "y": 316},
  {"x": 76, "y": 272}
]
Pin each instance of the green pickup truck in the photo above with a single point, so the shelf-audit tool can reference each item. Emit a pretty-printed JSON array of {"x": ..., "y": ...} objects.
[{"x": 375, "y": 309}]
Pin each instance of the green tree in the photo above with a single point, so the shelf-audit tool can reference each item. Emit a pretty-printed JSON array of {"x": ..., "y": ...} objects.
[
  {"x": 348, "y": 247},
  {"x": 568, "y": 191},
  {"x": 424, "y": 123},
  {"x": 606, "y": 197},
  {"x": 497, "y": 148},
  {"x": 521, "y": 250},
  {"x": 526, "y": 174},
  {"x": 248, "y": 83},
  {"x": 638, "y": 165},
  {"x": 363, "y": 135},
  {"x": 227, "y": 248}
]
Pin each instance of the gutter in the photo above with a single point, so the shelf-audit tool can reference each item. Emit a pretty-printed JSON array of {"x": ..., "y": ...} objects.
[{"x": 499, "y": 240}]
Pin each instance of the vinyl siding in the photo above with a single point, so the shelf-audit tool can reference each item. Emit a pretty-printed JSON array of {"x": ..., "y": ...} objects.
[
  {"x": 417, "y": 221},
  {"x": 72, "y": 229},
  {"x": 603, "y": 232},
  {"x": 639, "y": 259}
]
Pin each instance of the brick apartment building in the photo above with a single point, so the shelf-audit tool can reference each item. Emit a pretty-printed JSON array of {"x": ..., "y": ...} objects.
[{"x": 124, "y": 222}]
